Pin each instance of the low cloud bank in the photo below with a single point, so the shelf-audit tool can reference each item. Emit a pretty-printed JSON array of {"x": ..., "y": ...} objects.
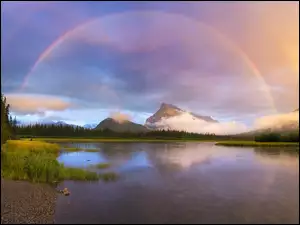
[
  {"x": 278, "y": 121},
  {"x": 186, "y": 122}
]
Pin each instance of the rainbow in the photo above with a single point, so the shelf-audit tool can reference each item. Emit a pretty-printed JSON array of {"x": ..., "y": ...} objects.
[{"x": 47, "y": 52}]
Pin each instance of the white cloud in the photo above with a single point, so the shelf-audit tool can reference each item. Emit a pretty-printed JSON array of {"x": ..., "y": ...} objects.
[
  {"x": 120, "y": 117},
  {"x": 277, "y": 121},
  {"x": 186, "y": 122}
]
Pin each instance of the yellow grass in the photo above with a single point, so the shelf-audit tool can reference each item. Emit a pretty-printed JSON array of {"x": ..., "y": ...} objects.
[{"x": 32, "y": 146}]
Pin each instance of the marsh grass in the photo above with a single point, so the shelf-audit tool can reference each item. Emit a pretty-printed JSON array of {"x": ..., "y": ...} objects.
[
  {"x": 103, "y": 165},
  {"x": 257, "y": 144},
  {"x": 30, "y": 146},
  {"x": 72, "y": 149},
  {"x": 109, "y": 176},
  {"x": 91, "y": 150},
  {"x": 122, "y": 140},
  {"x": 36, "y": 161}
]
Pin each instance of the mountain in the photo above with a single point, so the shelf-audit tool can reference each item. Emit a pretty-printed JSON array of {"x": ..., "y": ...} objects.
[
  {"x": 49, "y": 122},
  {"x": 61, "y": 123},
  {"x": 167, "y": 111},
  {"x": 125, "y": 126},
  {"x": 90, "y": 126}
]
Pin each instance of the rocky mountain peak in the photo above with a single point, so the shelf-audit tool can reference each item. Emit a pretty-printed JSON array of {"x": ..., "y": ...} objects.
[
  {"x": 166, "y": 106},
  {"x": 167, "y": 111}
]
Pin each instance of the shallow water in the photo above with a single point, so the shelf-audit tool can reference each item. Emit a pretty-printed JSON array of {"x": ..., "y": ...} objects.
[{"x": 183, "y": 183}]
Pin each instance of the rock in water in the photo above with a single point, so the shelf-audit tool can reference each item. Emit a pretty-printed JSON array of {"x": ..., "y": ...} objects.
[{"x": 66, "y": 192}]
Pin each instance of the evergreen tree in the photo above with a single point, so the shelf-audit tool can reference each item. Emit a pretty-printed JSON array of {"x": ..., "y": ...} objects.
[{"x": 6, "y": 129}]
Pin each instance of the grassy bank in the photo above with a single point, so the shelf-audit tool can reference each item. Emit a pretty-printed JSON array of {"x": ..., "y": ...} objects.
[
  {"x": 102, "y": 165},
  {"x": 74, "y": 149},
  {"x": 36, "y": 161},
  {"x": 257, "y": 144},
  {"x": 71, "y": 149},
  {"x": 23, "y": 146},
  {"x": 116, "y": 140}
]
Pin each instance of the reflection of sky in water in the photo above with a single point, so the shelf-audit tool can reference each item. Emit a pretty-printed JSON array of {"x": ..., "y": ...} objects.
[
  {"x": 81, "y": 159},
  {"x": 188, "y": 157},
  {"x": 236, "y": 184},
  {"x": 138, "y": 160},
  {"x": 209, "y": 155},
  {"x": 82, "y": 145}
]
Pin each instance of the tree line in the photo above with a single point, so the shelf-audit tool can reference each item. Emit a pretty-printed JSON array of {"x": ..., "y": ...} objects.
[
  {"x": 8, "y": 124},
  {"x": 60, "y": 130},
  {"x": 292, "y": 136}
]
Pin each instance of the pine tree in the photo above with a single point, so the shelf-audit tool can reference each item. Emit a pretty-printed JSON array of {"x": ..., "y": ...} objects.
[{"x": 6, "y": 131}]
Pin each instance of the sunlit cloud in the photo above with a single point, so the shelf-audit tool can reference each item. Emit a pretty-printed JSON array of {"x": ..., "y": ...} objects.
[
  {"x": 187, "y": 122},
  {"x": 120, "y": 117},
  {"x": 278, "y": 121},
  {"x": 36, "y": 104}
]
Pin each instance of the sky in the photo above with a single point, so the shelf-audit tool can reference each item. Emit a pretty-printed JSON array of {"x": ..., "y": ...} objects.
[{"x": 80, "y": 62}]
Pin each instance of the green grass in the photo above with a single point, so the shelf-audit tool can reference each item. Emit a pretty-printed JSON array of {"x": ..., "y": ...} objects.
[
  {"x": 79, "y": 174},
  {"x": 109, "y": 176},
  {"x": 91, "y": 150},
  {"x": 102, "y": 165},
  {"x": 117, "y": 140},
  {"x": 36, "y": 161},
  {"x": 72, "y": 149},
  {"x": 256, "y": 144},
  {"x": 30, "y": 146}
]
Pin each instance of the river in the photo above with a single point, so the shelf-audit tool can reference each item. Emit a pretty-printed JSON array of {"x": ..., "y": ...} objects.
[{"x": 183, "y": 183}]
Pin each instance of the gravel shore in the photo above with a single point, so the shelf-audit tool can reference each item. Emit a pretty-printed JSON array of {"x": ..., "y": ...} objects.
[{"x": 24, "y": 202}]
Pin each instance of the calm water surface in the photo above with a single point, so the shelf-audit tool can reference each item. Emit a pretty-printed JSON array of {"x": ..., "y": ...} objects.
[{"x": 183, "y": 183}]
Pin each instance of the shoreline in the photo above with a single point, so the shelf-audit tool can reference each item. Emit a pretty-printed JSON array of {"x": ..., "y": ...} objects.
[
  {"x": 114, "y": 140},
  {"x": 228, "y": 143},
  {"x": 26, "y": 202},
  {"x": 256, "y": 144}
]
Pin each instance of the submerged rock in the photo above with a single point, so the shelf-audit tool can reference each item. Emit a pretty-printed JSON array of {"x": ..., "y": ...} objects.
[{"x": 65, "y": 192}]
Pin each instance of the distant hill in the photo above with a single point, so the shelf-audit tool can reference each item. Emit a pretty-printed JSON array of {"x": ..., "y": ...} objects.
[
  {"x": 90, "y": 126},
  {"x": 125, "y": 126}
]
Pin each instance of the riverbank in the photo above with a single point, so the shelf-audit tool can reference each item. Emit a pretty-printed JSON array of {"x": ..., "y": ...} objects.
[
  {"x": 24, "y": 202},
  {"x": 144, "y": 140},
  {"x": 36, "y": 161},
  {"x": 257, "y": 144}
]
